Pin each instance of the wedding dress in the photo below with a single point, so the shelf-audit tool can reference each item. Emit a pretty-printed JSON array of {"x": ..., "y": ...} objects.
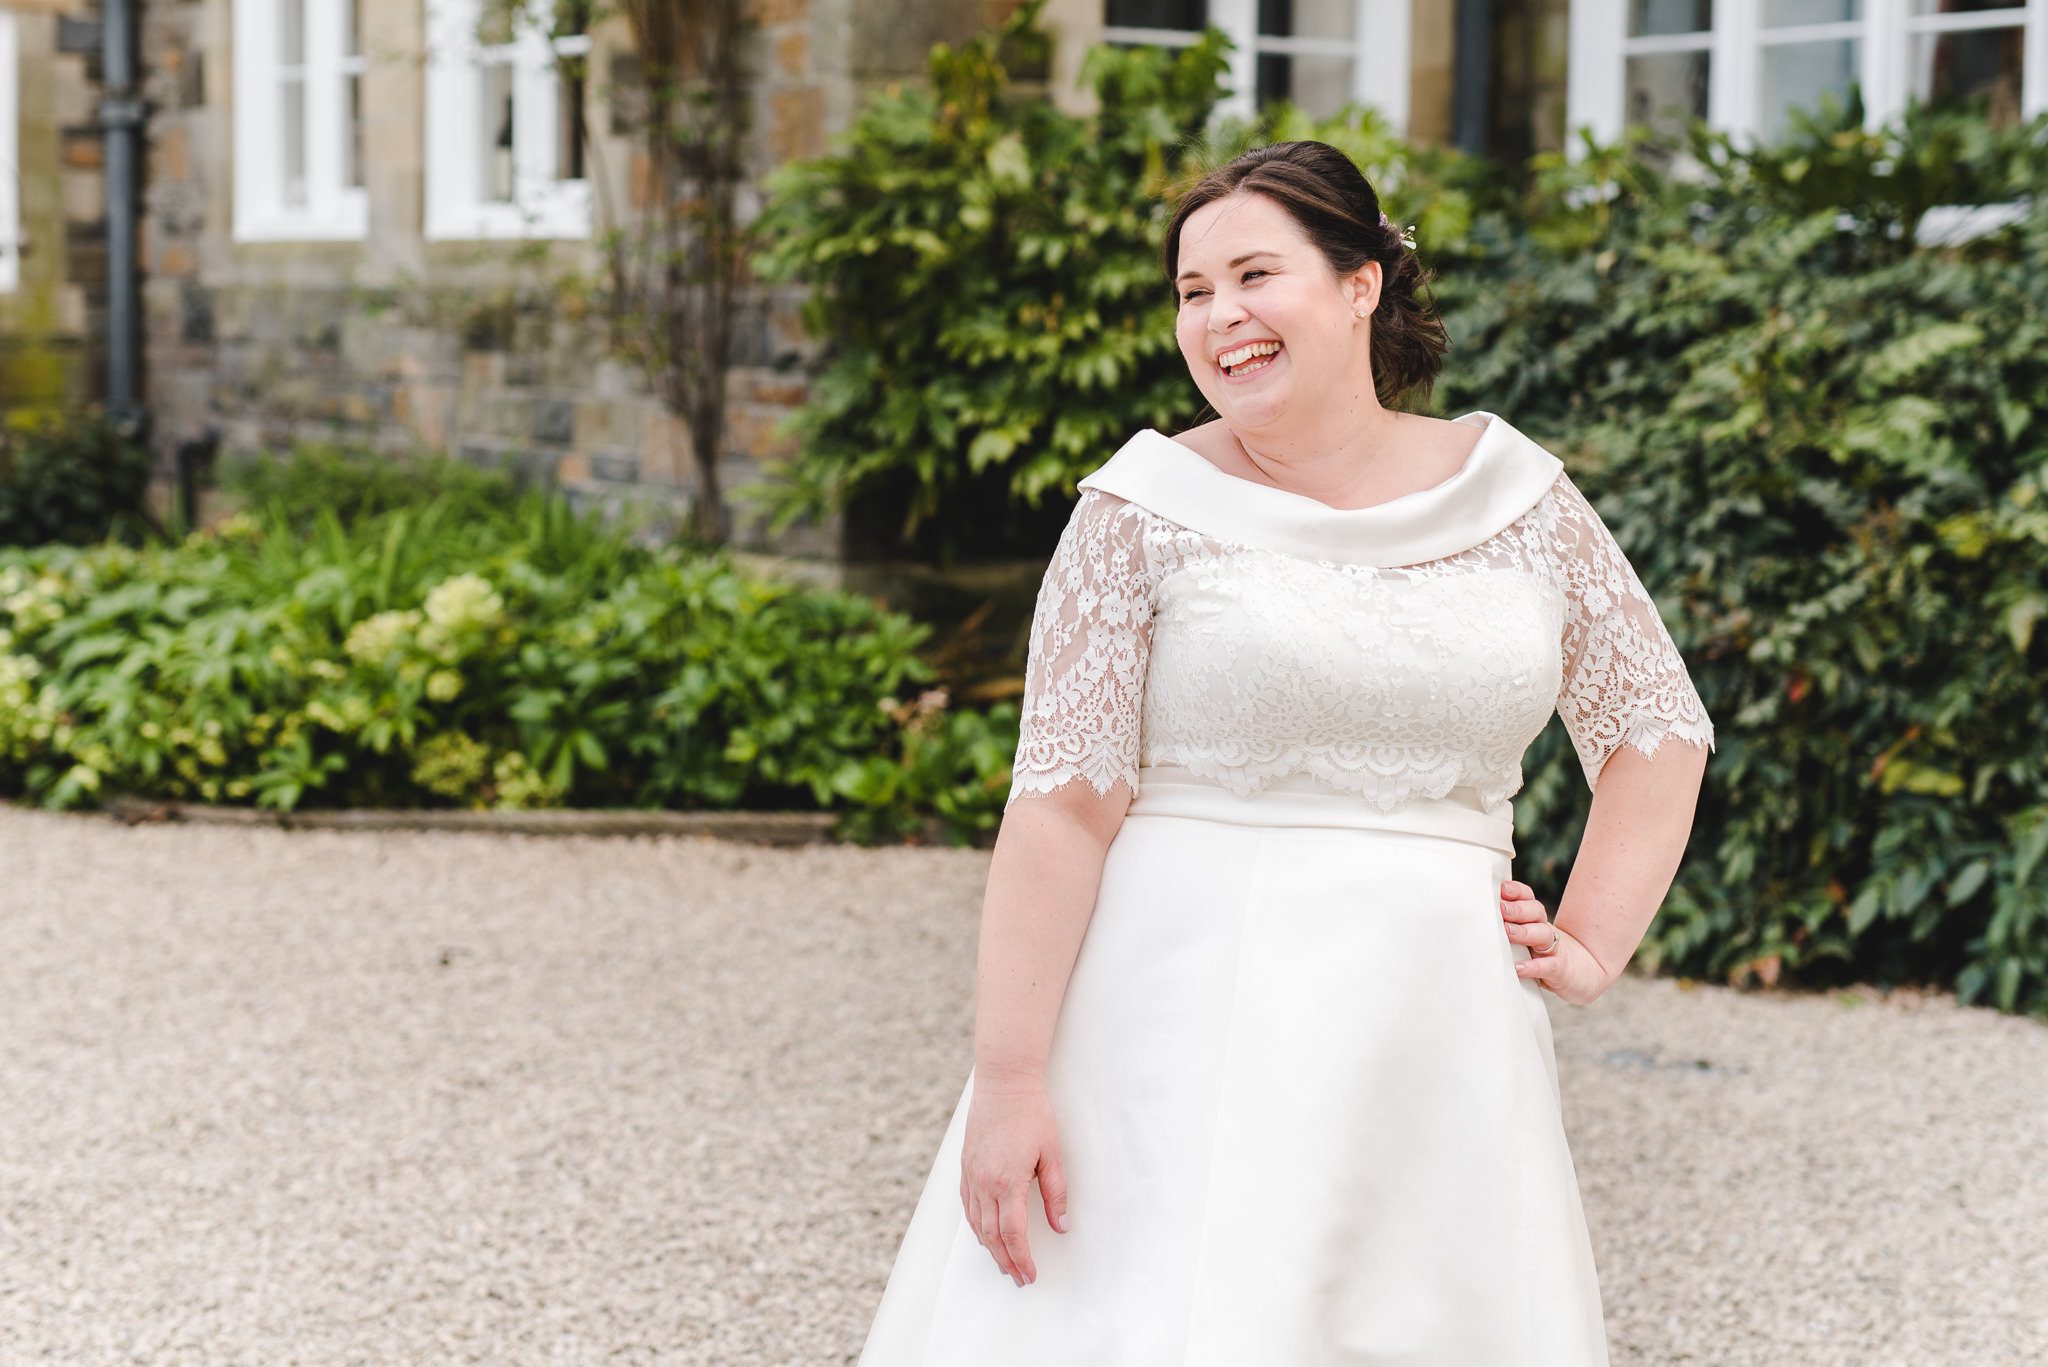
[{"x": 1309, "y": 1114}]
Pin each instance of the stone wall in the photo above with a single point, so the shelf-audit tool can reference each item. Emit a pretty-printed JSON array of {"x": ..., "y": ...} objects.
[
  {"x": 52, "y": 323},
  {"x": 475, "y": 349}
]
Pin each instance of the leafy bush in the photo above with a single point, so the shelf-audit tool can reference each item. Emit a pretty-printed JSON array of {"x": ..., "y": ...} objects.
[
  {"x": 457, "y": 654},
  {"x": 355, "y": 485},
  {"x": 987, "y": 269},
  {"x": 1821, "y": 443},
  {"x": 73, "y": 480}
]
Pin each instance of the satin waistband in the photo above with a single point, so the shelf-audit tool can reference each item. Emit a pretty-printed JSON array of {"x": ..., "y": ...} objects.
[{"x": 1302, "y": 800}]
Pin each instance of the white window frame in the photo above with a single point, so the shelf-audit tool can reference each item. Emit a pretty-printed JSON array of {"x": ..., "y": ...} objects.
[
  {"x": 542, "y": 206},
  {"x": 1379, "y": 50},
  {"x": 1600, "y": 49},
  {"x": 332, "y": 211},
  {"x": 10, "y": 154}
]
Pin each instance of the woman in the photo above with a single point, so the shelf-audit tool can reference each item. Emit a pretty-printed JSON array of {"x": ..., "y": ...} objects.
[{"x": 1259, "y": 1006}]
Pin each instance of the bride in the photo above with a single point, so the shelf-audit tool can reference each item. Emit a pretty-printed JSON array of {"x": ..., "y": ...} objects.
[{"x": 1262, "y": 1067}]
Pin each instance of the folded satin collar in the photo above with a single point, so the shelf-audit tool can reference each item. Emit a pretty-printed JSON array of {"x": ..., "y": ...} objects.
[{"x": 1505, "y": 475}]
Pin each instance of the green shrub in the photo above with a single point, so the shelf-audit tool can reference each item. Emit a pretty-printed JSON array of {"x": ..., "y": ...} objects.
[
  {"x": 354, "y": 485},
  {"x": 464, "y": 654},
  {"x": 1821, "y": 443},
  {"x": 987, "y": 269},
  {"x": 73, "y": 480}
]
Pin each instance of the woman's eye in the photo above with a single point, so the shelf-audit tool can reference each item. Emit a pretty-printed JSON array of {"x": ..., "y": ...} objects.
[{"x": 1247, "y": 275}]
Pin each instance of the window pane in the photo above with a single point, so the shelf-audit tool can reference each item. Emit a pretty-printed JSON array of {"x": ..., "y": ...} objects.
[
  {"x": 292, "y": 137},
  {"x": 571, "y": 17},
  {"x": 1182, "y": 14},
  {"x": 1962, "y": 6},
  {"x": 1979, "y": 64},
  {"x": 352, "y": 130},
  {"x": 496, "y": 126},
  {"x": 1649, "y": 18},
  {"x": 1664, "y": 89},
  {"x": 291, "y": 33},
  {"x": 1318, "y": 85},
  {"x": 1795, "y": 75},
  {"x": 569, "y": 128},
  {"x": 1306, "y": 18},
  {"x": 1785, "y": 13}
]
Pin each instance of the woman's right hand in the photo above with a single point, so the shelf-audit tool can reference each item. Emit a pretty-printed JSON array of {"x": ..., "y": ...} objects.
[{"x": 1011, "y": 1137}]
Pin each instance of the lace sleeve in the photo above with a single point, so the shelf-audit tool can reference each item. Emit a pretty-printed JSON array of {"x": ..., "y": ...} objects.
[
  {"x": 1624, "y": 681},
  {"x": 1084, "y": 679}
]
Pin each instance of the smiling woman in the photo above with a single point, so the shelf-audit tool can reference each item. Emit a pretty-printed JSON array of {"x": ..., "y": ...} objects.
[{"x": 1258, "y": 997}]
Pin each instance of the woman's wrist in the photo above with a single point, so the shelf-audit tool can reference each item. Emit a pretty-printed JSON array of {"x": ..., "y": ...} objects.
[{"x": 1009, "y": 1075}]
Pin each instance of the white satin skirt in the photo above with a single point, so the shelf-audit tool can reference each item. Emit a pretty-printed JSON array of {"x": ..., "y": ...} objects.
[{"x": 1308, "y": 1113}]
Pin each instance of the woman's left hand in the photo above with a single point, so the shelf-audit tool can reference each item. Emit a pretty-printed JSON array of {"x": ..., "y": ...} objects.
[{"x": 1570, "y": 970}]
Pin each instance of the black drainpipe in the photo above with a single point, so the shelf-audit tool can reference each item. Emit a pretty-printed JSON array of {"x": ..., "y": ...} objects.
[
  {"x": 1472, "y": 75},
  {"x": 122, "y": 113}
]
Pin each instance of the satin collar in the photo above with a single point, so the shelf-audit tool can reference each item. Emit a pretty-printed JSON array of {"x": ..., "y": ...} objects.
[{"x": 1503, "y": 477}]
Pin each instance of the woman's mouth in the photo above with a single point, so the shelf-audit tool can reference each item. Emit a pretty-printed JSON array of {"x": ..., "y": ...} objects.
[{"x": 1248, "y": 360}]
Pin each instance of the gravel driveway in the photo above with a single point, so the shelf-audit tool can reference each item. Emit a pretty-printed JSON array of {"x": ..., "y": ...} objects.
[{"x": 338, "y": 1098}]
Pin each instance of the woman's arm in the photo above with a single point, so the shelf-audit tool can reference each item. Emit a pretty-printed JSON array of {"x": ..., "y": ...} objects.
[
  {"x": 1042, "y": 880},
  {"x": 1626, "y": 691},
  {"x": 1635, "y": 837},
  {"x": 1074, "y": 777}
]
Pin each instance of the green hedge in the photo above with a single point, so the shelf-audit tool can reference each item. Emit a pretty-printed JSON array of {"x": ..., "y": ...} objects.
[
  {"x": 1822, "y": 443},
  {"x": 986, "y": 268},
  {"x": 470, "y": 653},
  {"x": 71, "y": 479}
]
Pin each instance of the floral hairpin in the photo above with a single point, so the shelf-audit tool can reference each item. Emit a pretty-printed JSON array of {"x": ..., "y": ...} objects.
[{"x": 1407, "y": 233}]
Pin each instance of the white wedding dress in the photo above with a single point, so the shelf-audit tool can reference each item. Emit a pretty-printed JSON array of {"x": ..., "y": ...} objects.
[{"x": 1309, "y": 1114}]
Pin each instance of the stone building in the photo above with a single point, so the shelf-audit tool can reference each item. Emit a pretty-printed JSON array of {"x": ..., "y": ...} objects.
[{"x": 352, "y": 210}]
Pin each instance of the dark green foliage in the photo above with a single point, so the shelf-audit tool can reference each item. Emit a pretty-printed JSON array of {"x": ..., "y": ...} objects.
[
  {"x": 72, "y": 480},
  {"x": 355, "y": 485},
  {"x": 986, "y": 270},
  {"x": 1822, "y": 446},
  {"x": 465, "y": 651}
]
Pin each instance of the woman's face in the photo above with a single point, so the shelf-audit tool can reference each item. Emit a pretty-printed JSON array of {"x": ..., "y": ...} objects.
[{"x": 1248, "y": 274}]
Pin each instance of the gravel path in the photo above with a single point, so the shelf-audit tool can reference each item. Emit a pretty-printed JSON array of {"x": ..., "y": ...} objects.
[{"x": 336, "y": 1098}]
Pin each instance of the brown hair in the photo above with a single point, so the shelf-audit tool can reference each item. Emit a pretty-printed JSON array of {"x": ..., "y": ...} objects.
[{"x": 1324, "y": 191}]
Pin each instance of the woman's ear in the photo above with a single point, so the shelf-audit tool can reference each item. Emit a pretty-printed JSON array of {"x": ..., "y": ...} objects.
[{"x": 1363, "y": 286}]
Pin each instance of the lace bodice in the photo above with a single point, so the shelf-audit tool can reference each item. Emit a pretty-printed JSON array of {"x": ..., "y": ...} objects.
[{"x": 1247, "y": 633}]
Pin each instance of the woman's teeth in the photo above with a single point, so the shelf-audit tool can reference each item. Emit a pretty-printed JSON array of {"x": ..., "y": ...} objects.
[{"x": 1245, "y": 360}]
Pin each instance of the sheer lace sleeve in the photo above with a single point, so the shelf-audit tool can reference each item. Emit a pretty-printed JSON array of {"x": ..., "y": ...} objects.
[
  {"x": 1624, "y": 681},
  {"x": 1084, "y": 680}
]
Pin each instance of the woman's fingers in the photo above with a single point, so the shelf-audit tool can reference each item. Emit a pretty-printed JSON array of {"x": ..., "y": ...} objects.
[
  {"x": 1013, "y": 1215},
  {"x": 1525, "y": 920},
  {"x": 981, "y": 1219},
  {"x": 1052, "y": 1189},
  {"x": 1011, "y": 1138},
  {"x": 1544, "y": 968},
  {"x": 1523, "y": 911}
]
